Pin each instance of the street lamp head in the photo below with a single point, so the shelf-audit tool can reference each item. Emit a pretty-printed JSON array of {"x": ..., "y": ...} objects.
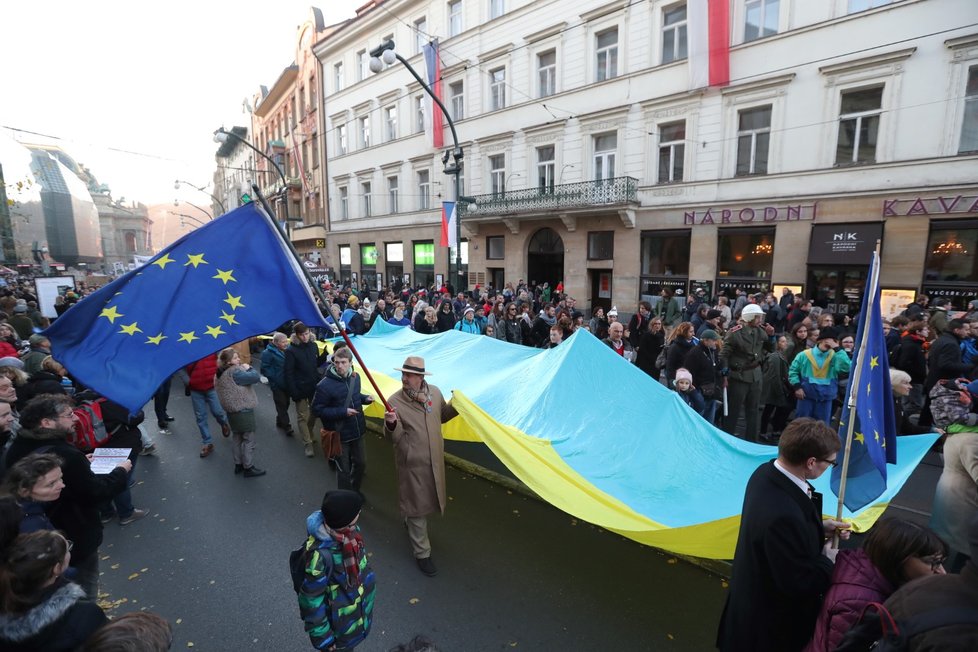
[
  {"x": 176, "y": 185},
  {"x": 376, "y": 65},
  {"x": 388, "y": 57},
  {"x": 176, "y": 203},
  {"x": 220, "y": 136}
]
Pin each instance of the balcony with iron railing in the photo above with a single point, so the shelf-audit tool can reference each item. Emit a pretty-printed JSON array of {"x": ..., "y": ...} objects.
[{"x": 616, "y": 192}]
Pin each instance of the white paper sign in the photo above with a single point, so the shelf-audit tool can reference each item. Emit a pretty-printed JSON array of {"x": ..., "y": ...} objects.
[{"x": 104, "y": 460}]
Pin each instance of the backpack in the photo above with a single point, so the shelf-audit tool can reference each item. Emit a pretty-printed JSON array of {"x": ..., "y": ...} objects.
[
  {"x": 298, "y": 560},
  {"x": 950, "y": 403},
  {"x": 879, "y": 631},
  {"x": 90, "y": 431},
  {"x": 660, "y": 360}
]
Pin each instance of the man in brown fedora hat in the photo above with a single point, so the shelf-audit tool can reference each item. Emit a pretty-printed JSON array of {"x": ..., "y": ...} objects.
[{"x": 414, "y": 422}]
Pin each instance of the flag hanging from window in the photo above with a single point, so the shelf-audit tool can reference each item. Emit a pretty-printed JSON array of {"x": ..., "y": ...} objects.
[
  {"x": 709, "y": 43},
  {"x": 874, "y": 433},
  {"x": 432, "y": 115},
  {"x": 220, "y": 284}
]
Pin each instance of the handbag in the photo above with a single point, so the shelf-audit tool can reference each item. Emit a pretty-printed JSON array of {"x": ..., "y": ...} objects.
[
  {"x": 708, "y": 390},
  {"x": 330, "y": 440},
  {"x": 660, "y": 360}
]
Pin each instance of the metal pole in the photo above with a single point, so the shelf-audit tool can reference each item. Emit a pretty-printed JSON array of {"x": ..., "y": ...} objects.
[
  {"x": 854, "y": 383},
  {"x": 285, "y": 186},
  {"x": 319, "y": 294}
]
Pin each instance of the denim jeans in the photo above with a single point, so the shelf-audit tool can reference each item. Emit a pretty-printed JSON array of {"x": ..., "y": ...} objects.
[{"x": 202, "y": 401}]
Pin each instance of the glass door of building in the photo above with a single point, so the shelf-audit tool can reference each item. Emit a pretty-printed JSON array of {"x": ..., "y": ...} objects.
[{"x": 838, "y": 289}]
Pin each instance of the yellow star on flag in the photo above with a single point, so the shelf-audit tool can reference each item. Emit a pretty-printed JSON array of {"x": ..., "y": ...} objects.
[
  {"x": 860, "y": 438},
  {"x": 215, "y": 331},
  {"x": 234, "y": 302},
  {"x": 868, "y": 388},
  {"x": 131, "y": 329},
  {"x": 876, "y": 435},
  {"x": 155, "y": 339},
  {"x": 225, "y": 276},
  {"x": 874, "y": 362},
  {"x": 229, "y": 318},
  {"x": 187, "y": 337},
  {"x": 195, "y": 260},
  {"x": 163, "y": 261},
  {"x": 110, "y": 313}
]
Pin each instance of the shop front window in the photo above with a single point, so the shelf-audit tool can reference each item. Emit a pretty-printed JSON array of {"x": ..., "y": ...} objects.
[
  {"x": 665, "y": 264},
  {"x": 745, "y": 253},
  {"x": 951, "y": 254}
]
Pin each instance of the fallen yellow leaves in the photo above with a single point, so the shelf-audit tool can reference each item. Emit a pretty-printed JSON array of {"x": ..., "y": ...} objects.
[{"x": 414, "y": 601}]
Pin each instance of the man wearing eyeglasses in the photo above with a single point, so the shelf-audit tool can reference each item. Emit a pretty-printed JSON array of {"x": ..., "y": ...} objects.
[
  {"x": 782, "y": 565},
  {"x": 46, "y": 421}
]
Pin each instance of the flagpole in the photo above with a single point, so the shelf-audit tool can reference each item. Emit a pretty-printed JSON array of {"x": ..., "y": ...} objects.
[
  {"x": 315, "y": 288},
  {"x": 854, "y": 383}
]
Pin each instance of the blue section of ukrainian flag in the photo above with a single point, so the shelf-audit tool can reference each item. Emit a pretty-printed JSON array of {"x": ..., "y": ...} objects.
[{"x": 226, "y": 281}]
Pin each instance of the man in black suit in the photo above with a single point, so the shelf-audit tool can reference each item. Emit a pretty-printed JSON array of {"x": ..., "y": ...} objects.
[{"x": 782, "y": 565}]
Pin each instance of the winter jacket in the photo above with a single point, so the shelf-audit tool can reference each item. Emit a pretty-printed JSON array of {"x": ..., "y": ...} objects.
[
  {"x": 355, "y": 324},
  {"x": 33, "y": 359},
  {"x": 468, "y": 326},
  {"x": 76, "y": 511},
  {"x": 42, "y": 382},
  {"x": 676, "y": 356},
  {"x": 446, "y": 320},
  {"x": 625, "y": 346},
  {"x": 35, "y": 516},
  {"x": 703, "y": 363},
  {"x": 302, "y": 360},
  {"x": 649, "y": 347},
  {"x": 508, "y": 330},
  {"x": 235, "y": 388},
  {"x": 910, "y": 357},
  {"x": 693, "y": 399},
  {"x": 855, "y": 583},
  {"x": 61, "y": 622},
  {"x": 202, "y": 373},
  {"x": 637, "y": 325},
  {"x": 938, "y": 321},
  {"x": 944, "y": 360},
  {"x": 330, "y": 404},
  {"x": 332, "y": 611},
  {"x": 273, "y": 367},
  {"x": 775, "y": 387}
]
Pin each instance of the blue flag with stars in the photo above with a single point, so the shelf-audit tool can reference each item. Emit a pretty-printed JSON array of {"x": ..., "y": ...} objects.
[
  {"x": 874, "y": 433},
  {"x": 226, "y": 281}
]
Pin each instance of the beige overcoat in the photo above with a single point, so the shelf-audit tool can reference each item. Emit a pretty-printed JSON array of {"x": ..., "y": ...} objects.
[
  {"x": 419, "y": 453},
  {"x": 956, "y": 496}
]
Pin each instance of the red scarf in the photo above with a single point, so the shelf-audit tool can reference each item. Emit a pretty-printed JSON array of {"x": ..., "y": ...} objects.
[{"x": 351, "y": 541}]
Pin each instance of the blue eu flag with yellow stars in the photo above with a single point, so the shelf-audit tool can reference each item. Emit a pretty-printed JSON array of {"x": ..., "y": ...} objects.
[
  {"x": 874, "y": 430},
  {"x": 226, "y": 281}
]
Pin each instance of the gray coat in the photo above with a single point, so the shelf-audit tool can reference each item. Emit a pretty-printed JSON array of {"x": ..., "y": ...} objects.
[
  {"x": 419, "y": 453},
  {"x": 956, "y": 496}
]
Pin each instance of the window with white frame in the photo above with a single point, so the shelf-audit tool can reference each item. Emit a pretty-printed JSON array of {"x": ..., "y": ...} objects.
[
  {"x": 420, "y": 35},
  {"x": 856, "y": 6},
  {"x": 672, "y": 150},
  {"x": 546, "y": 164},
  {"x": 760, "y": 19},
  {"x": 363, "y": 127},
  {"x": 362, "y": 61},
  {"x": 606, "y": 51},
  {"x": 497, "y": 89},
  {"x": 338, "y": 77},
  {"x": 605, "y": 150},
  {"x": 454, "y": 18},
  {"x": 496, "y": 8},
  {"x": 674, "y": 33},
  {"x": 390, "y": 123},
  {"x": 424, "y": 190},
  {"x": 753, "y": 140},
  {"x": 456, "y": 95},
  {"x": 392, "y": 194},
  {"x": 365, "y": 192},
  {"x": 497, "y": 174},
  {"x": 344, "y": 196},
  {"x": 859, "y": 123},
  {"x": 341, "y": 144},
  {"x": 418, "y": 114},
  {"x": 969, "y": 126},
  {"x": 547, "y": 73}
]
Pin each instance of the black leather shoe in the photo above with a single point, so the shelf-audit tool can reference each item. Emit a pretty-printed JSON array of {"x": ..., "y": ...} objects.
[
  {"x": 427, "y": 566},
  {"x": 253, "y": 472}
]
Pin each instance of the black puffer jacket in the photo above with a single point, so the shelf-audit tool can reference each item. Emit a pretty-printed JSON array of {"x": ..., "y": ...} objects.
[
  {"x": 330, "y": 404},
  {"x": 62, "y": 622},
  {"x": 302, "y": 360}
]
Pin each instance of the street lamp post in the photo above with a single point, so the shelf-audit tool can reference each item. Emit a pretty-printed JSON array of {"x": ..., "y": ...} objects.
[
  {"x": 221, "y": 136},
  {"x": 384, "y": 54},
  {"x": 176, "y": 186},
  {"x": 184, "y": 216},
  {"x": 205, "y": 212}
]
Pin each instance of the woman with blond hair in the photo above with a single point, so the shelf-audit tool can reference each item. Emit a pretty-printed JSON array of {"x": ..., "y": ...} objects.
[{"x": 235, "y": 383}]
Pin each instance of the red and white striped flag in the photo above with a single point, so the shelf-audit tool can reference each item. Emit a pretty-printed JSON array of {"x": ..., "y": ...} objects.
[
  {"x": 432, "y": 115},
  {"x": 708, "y": 28}
]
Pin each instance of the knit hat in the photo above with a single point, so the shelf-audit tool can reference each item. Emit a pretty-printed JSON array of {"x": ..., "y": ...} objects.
[
  {"x": 353, "y": 301},
  {"x": 613, "y": 311},
  {"x": 468, "y": 310},
  {"x": 709, "y": 334},
  {"x": 683, "y": 374},
  {"x": 20, "y": 308},
  {"x": 828, "y": 333},
  {"x": 11, "y": 361},
  {"x": 299, "y": 328},
  {"x": 340, "y": 507},
  {"x": 713, "y": 314}
]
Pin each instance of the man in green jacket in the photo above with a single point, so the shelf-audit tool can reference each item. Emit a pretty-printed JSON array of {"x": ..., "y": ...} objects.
[{"x": 744, "y": 349}]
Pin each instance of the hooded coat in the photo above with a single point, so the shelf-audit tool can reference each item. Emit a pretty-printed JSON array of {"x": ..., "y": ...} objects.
[
  {"x": 419, "y": 453},
  {"x": 61, "y": 622}
]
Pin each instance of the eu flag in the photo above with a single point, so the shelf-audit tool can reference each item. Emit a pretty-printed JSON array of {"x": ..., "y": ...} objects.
[
  {"x": 874, "y": 432},
  {"x": 226, "y": 281}
]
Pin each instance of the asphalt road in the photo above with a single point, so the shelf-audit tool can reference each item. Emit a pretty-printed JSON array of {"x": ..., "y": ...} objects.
[{"x": 514, "y": 573}]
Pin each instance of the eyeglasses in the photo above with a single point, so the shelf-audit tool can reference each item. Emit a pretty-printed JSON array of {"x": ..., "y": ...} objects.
[
  {"x": 934, "y": 561},
  {"x": 69, "y": 415},
  {"x": 71, "y": 544},
  {"x": 834, "y": 462}
]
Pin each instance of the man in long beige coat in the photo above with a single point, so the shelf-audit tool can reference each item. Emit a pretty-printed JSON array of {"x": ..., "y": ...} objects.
[{"x": 414, "y": 423}]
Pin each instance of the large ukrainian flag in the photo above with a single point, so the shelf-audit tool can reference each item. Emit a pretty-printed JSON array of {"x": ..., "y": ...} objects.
[{"x": 598, "y": 438}]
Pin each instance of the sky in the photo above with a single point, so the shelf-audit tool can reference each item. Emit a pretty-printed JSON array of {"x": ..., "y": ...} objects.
[{"x": 135, "y": 90}]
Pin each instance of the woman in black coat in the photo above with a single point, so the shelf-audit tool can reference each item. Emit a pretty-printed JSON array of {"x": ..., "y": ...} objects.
[
  {"x": 446, "y": 317},
  {"x": 649, "y": 347},
  {"x": 680, "y": 344},
  {"x": 39, "y": 608},
  {"x": 910, "y": 357}
]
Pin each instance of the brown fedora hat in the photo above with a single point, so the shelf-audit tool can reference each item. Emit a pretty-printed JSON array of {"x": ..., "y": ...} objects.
[{"x": 413, "y": 365}]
